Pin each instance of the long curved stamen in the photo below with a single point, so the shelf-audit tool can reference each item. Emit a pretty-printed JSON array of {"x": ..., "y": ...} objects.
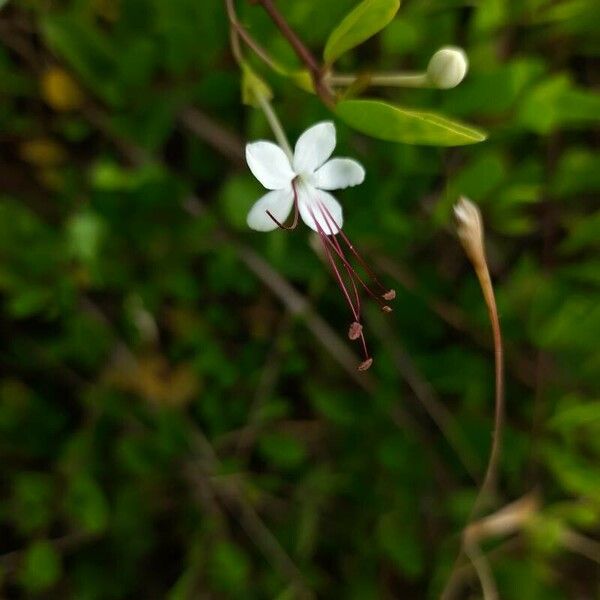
[
  {"x": 327, "y": 216},
  {"x": 295, "y": 221},
  {"x": 355, "y": 331},
  {"x": 334, "y": 267},
  {"x": 388, "y": 294}
]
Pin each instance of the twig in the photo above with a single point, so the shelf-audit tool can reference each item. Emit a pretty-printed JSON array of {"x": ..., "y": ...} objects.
[
  {"x": 482, "y": 568},
  {"x": 242, "y": 32},
  {"x": 231, "y": 494},
  {"x": 201, "y": 125},
  {"x": 303, "y": 53},
  {"x": 228, "y": 492},
  {"x": 508, "y": 520},
  {"x": 9, "y": 562},
  {"x": 264, "y": 390},
  {"x": 424, "y": 393},
  {"x": 580, "y": 544}
]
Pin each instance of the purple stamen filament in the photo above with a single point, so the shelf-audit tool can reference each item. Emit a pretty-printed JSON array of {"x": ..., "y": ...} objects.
[
  {"x": 295, "y": 221},
  {"x": 333, "y": 248}
]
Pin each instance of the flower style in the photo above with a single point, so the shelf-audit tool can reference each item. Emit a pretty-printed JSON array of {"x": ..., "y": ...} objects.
[{"x": 302, "y": 182}]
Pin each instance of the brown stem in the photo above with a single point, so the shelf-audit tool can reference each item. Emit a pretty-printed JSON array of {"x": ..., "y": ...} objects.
[
  {"x": 304, "y": 54},
  {"x": 239, "y": 31},
  {"x": 487, "y": 489},
  {"x": 489, "y": 481}
]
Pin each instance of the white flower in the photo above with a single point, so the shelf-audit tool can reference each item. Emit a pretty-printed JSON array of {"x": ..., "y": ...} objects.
[
  {"x": 447, "y": 67},
  {"x": 301, "y": 181}
]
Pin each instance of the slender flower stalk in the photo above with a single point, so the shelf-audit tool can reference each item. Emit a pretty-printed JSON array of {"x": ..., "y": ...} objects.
[
  {"x": 471, "y": 234},
  {"x": 275, "y": 124},
  {"x": 299, "y": 181},
  {"x": 398, "y": 79},
  {"x": 446, "y": 69}
]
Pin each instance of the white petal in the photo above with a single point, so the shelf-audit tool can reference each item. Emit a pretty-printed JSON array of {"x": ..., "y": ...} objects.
[
  {"x": 279, "y": 203},
  {"x": 339, "y": 173},
  {"x": 322, "y": 206},
  {"x": 314, "y": 147},
  {"x": 269, "y": 164}
]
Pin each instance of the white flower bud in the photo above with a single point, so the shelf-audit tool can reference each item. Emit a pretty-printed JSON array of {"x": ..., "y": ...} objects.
[
  {"x": 447, "y": 67},
  {"x": 469, "y": 227}
]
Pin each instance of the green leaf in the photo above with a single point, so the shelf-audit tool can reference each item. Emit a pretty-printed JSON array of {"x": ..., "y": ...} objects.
[
  {"x": 85, "y": 231},
  {"x": 41, "y": 568},
  {"x": 282, "y": 450},
  {"x": 389, "y": 122},
  {"x": 364, "y": 21},
  {"x": 230, "y": 567},
  {"x": 86, "y": 504},
  {"x": 399, "y": 540},
  {"x": 33, "y": 495}
]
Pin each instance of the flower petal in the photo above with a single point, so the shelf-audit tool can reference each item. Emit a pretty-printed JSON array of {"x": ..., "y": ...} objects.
[
  {"x": 339, "y": 173},
  {"x": 314, "y": 147},
  {"x": 278, "y": 202},
  {"x": 322, "y": 206},
  {"x": 269, "y": 164}
]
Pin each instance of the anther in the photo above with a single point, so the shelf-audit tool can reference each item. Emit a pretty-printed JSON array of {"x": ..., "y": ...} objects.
[
  {"x": 389, "y": 295},
  {"x": 365, "y": 364},
  {"x": 355, "y": 330},
  {"x": 386, "y": 309}
]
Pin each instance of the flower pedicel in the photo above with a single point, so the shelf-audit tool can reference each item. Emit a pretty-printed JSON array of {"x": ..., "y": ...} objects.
[{"x": 301, "y": 182}]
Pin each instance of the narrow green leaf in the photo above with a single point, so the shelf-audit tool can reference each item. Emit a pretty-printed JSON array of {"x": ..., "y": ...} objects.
[
  {"x": 395, "y": 124},
  {"x": 364, "y": 21}
]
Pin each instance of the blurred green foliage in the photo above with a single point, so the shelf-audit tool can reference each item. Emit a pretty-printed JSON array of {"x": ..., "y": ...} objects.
[{"x": 169, "y": 429}]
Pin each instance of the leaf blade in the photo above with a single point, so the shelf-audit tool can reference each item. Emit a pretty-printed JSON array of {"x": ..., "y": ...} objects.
[
  {"x": 396, "y": 124},
  {"x": 364, "y": 21}
]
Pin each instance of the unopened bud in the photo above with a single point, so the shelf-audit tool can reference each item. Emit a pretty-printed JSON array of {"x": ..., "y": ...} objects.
[
  {"x": 469, "y": 227},
  {"x": 447, "y": 67}
]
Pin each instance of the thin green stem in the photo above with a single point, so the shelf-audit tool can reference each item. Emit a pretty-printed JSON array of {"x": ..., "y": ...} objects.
[
  {"x": 275, "y": 124},
  {"x": 415, "y": 80}
]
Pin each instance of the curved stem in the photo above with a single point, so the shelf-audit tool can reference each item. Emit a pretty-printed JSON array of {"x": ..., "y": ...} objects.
[
  {"x": 489, "y": 481},
  {"x": 276, "y": 126},
  {"x": 243, "y": 33},
  {"x": 234, "y": 32},
  {"x": 487, "y": 489},
  {"x": 483, "y": 570},
  {"x": 303, "y": 53}
]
